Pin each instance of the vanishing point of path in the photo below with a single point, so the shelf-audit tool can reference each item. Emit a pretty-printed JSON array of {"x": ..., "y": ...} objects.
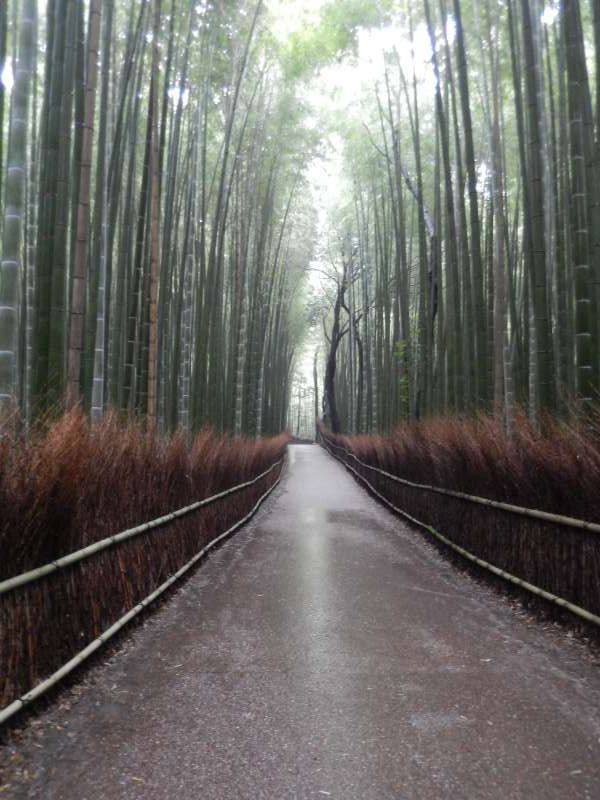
[{"x": 324, "y": 651}]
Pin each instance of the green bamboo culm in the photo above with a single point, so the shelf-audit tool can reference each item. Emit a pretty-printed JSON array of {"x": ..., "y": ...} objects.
[
  {"x": 3, "y": 36},
  {"x": 11, "y": 266}
]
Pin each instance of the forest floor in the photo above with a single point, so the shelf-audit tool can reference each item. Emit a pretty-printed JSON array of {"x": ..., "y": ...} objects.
[{"x": 327, "y": 650}]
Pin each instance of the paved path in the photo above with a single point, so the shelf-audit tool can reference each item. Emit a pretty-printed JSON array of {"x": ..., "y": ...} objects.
[{"x": 325, "y": 651}]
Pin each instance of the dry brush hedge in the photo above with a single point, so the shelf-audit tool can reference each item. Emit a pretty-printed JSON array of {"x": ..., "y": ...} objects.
[
  {"x": 558, "y": 472},
  {"x": 73, "y": 485}
]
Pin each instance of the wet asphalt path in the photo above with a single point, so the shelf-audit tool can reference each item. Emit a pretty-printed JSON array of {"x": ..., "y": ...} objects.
[{"x": 324, "y": 651}]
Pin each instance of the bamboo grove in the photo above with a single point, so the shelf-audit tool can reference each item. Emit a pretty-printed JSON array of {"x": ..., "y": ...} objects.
[
  {"x": 153, "y": 226},
  {"x": 467, "y": 266}
]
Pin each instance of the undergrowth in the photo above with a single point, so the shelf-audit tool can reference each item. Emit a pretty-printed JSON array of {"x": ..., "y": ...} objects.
[
  {"x": 71, "y": 484},
  {"x": 557, "y": 470}
]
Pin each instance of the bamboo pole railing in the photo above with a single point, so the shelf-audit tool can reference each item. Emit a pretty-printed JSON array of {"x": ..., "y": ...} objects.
[
  {"x": 102, "y": 544},
  {"x": 578, "y": 611},
  {"x": 51, "y": 681}
]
